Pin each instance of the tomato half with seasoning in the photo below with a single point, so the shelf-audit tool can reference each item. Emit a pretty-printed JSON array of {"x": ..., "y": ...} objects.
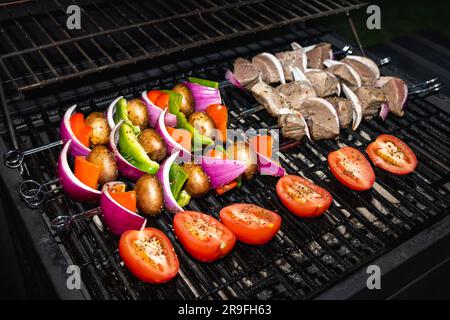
[
  {"x": 302, "y": 197},
  {"x": 351, "y": 168},
  {"x": 149, "y": 255},
  {"x": 392, "y": 154},
  {"x": 250, "y": 223},
  {"x": 203, "y": 237}
]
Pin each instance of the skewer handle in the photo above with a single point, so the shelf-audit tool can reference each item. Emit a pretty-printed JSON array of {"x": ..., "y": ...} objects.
[
  {"x": 61, "y": 223},
  {"x": 14, "y": 158}
]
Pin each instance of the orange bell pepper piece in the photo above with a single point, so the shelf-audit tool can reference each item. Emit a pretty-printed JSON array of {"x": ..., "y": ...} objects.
[
  {"x": 219, "y": 115},
  {"x": 126, "y": 199},
  {"x": 221, "y": 190},
  {"x": 81, "y": 131},
  {"x": 87, "y": 172},
  {"x": 181, "y": 136},
  {"x": 262, "y": 145}
]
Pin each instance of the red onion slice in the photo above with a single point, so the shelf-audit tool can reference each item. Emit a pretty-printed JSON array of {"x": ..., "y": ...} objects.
[
  {"x": 204, "y": 96},
  {"x": 222, "y": 171},
  {"x": 384, "y": 111},
  {"x": 110, "y": 112},
  {"x": 229, "y": 75},
  {"x": 66, "y": 134},
  {"x": 357, "y": 107},
  {"x": 125, "y": 168},
  {"x": 155, "y": 111},
  {"x": 267, "y": 166},
  {"x": 71, "y": 185},
  {"x": 118, "y": 218},
  {"x": 170, "y": 202},
  {"x": 171, "y": 144}
]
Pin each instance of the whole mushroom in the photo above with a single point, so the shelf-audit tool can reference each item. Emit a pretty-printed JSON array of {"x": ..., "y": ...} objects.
[
  {"x": 100, "y": 128},
  {"x": 149, "y": 195},
  {"x": 153, "y": 144},
  {"x": 102, "y": 157},
  {"x": 197, "y": 184},
  {"x": 137, "y": 113}
]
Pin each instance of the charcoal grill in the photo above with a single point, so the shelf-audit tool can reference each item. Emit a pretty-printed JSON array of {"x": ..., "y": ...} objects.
[{"x": 41, "y": 74}]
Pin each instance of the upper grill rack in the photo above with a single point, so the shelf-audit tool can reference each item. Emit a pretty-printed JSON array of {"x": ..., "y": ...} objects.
[
  {"x": 308, "y": 255},
  {"x": 37, "y": 49}
]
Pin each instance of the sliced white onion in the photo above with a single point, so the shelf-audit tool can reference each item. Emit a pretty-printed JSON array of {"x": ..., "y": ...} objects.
[
  {"x": 368, "y": 63},
  {"x": 110, "y": 112},
  {"x": 385, "y": 79},
  {"x": 299, "y": 75},
  {"x": 277, "y": 65},
  {"x": 357, "y": 107},
  {"x": 329, "y": 63}
]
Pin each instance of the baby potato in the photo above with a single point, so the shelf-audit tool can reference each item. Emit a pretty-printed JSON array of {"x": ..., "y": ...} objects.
[
  {"x": 100, "y": 128},
  {"x": 203, "y": 123},
  {"x": 137, "y": 113},
  {"x": 153, "y": 144},
  {"x": 198, "y": 183},
  {"x": 149, "y": 195},
  {"x": 101, "y": 156},
  {"x": 187, "y": 104}
]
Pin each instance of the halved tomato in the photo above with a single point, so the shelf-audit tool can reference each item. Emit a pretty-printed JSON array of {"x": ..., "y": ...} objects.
[
  {"x": 351, "y": 168},
  {"x": 392, "y": 154},
  {"x": 205, "y": 238},
  {"x": 149, "y": 255},
  {"x": 250, "y": 223},
  {"x": 303, "y": 198}
]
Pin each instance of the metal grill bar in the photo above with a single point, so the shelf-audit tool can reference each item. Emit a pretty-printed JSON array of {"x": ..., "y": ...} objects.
[{"x": 182, "y": 25}]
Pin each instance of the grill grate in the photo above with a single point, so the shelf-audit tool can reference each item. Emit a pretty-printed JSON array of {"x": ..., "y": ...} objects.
[
  {"x": 307, "y": 256},
  {"x": 36, "y": 48}
]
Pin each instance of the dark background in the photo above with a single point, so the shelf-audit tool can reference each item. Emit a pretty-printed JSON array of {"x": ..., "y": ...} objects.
[{"x": 402, "y": 22}]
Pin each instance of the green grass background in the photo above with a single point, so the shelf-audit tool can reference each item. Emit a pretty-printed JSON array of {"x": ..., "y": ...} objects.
[{"x": 398, "y": 18}]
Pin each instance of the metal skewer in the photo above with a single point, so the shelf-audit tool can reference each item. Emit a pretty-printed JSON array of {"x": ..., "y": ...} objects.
[
  {"x": 63, "y": 222},
  {"x": 14, "y": 158},
  {"x": 33, "y": 193}
]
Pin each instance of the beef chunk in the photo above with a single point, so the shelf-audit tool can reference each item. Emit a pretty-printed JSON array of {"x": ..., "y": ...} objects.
[
  {"x": 268, "y": 69},
  {"x": 342, "y": 72},
  {"x": 296, "y": 91},
  {"x": 368, "y": 78},
  {"x": 288, "y": 60},
  {"x": 293, "y": 126},
  {"x": 269, "y": 97},
  {"x": 318, "y": 55},
  {"x": 371, "y": 99},
  {"x": 396, "y": 92},
  {"x": 321, "y": 120},
  {"x": 344, "y": 110},
  {"x": 324, "y": 83},
  {"x": 245, "y": 72}
]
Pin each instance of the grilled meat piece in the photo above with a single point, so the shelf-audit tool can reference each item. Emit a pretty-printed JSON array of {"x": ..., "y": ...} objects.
[
  {"x": 344, "y": 109},
  {"x": 368, "y": 77},
  {"x": 245, "y": 72},
  {"x": 296, "y": 91},
  {"x": 290, "y": 59},
  {"x": 266, "y": 64},
  {"x": 396, "y": 92},
  {"x": 322, "y": 120},
  {"x": 318, "y": 55},
  {"x": 269, "y": 97},
  {"x": 342, "y": 72},
  {"x": 324, "y": 83},
  {"x": 371, "y": 99},
  {"x": 293, "y": 126}
]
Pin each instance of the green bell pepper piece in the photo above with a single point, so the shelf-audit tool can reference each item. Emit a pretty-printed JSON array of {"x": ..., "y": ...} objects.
[
  {"x": 177, "y": 178},
  {"x": 131, "y": 149},
  {"x": 184, "y": 198},
  {"x": 122, "y": 114},
  {"x": 204, "y": 82}
]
